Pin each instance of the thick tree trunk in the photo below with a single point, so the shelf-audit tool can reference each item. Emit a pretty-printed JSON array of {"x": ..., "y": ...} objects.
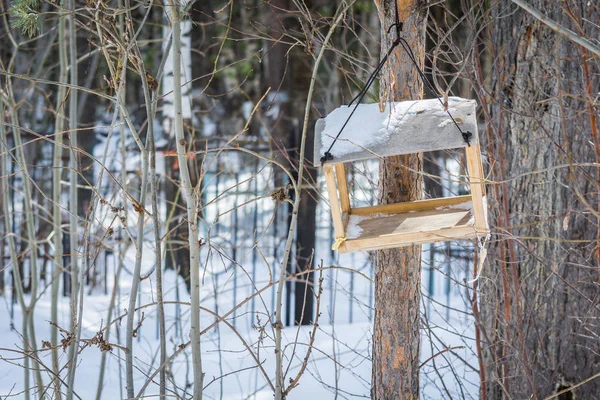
[
  {"x": 540, "y": 297},
  {"x": 398, "y": 271},
  {"x": 300, "y": 75}
]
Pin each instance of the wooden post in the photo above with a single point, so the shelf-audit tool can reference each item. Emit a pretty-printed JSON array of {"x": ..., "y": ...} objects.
[
  {"x": 396, "y": 335},
  {"x": 475, "y": 170},
  {"x": 336, "y": 215},
  {"x": 340, "y": 173}
]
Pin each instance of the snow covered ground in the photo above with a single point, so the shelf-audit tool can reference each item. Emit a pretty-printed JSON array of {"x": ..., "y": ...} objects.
[{"x": 339, "y": 366}]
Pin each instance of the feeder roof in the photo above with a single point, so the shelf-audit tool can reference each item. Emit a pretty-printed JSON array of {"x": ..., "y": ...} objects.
[{"x": 402, "y": 128}]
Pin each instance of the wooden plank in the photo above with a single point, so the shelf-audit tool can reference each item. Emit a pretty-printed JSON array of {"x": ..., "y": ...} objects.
[
  {"x": 340, "y": 173},
  {"x": 418, "y": 205},
  {"x": 408, "y": 239},
  {"x": 413, "y": 127},
  {"x": 384, "y": 225},
  {"x": 338, "y": 227},
  {"x": 476, "y": 181},
  {"x": 376, "y": 231}
]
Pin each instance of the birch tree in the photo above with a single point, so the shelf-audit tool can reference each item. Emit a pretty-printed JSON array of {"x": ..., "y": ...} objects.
[
  {"x": 167, "y": 88},
  {"x": 73, "y": 167},
  {"x": 177, "y": 257},
  {"x": 176, "y": 12},
  {"x": 59, "y": 127}
]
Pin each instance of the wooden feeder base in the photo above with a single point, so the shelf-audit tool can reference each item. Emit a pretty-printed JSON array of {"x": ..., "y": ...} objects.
[{"x": 405, "y": 224}]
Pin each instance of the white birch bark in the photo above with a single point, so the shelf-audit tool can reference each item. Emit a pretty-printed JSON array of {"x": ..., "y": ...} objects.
[
  {"x": 28, "y": 325},
  {"x": 56, "y": 197},
  {"x": 14, "y": 256},
  {"x": 73, "y": 166},
  {"x": 167, "y": 90},
  {"x": 154, "y": 189},
  {"x": 139, "y": 243},
  {"x": 190, "y": 195}
]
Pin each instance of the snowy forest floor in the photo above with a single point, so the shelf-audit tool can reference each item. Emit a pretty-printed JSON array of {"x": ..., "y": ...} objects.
[{"x": 339, "y": 366}]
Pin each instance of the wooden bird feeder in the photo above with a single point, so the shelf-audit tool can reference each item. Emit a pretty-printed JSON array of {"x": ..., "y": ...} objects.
[{"x": 403, "y": 128}]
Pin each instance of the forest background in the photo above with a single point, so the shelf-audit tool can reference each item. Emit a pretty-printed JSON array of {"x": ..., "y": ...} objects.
[{"x": 119, "y": 173}]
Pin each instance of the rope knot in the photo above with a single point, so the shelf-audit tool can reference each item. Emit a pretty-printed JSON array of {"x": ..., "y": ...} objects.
[
  {"x": 326, "y": 157},
  {"x": 467, "y": 137},
  {"x": 338, "y": 242}
]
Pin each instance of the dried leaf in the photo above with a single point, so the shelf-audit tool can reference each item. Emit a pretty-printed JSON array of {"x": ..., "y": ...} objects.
[{"x": 152, "y": 83}]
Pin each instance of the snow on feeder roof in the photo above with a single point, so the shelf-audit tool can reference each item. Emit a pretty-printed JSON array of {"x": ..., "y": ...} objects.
[
  {"x": 402, "y": 128},
  {"x": 412, "y": 127}
]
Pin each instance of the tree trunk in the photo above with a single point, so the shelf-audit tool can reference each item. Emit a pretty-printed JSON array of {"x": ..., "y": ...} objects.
[
  {"x": 305, "y": 243},
  {"x": 540, "y": 296},
  {"x": 398, "y": 271},
  {"x": 178, "y": 255},
  {"x": 287, "y": 73},
  {"x": 87, "y": 106},
  {"x": 278, "y": 115},
  {"x": 276, "y": 76},
  {"x": 188, "y": 189}
]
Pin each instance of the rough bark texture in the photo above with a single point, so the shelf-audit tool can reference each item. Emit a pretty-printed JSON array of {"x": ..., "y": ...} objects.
[
  {"x": 398, "y": 271},
  {"x": 540, "y": 292}
]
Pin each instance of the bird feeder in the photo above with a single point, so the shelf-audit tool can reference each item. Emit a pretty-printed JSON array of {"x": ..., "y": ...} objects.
[{"x": 402, "y": 128}]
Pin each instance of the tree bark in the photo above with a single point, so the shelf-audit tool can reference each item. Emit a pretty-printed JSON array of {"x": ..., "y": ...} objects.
[
  {"x": 396, "y": 333},
  {"x": 178, "y": 256},
  {"x": 57, "y": 173},
  {"x": 540, "y": 295},
  {"x": 191, "y": 199}
]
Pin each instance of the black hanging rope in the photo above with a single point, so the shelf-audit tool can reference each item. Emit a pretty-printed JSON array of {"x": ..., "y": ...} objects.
[
  {"x": 328, "y": 156},
  {"x": 398, "y": 41},
  {"x": 465, "y": 134}
]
